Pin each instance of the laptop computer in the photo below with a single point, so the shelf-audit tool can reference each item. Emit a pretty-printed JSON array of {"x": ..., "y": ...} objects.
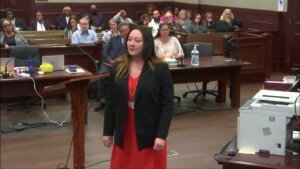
[
  {"x": 57, "y": 61},
  {"x": 10, "y": 64}
]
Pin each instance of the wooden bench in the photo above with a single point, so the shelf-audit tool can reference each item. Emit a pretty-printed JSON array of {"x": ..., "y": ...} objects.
[
  {"x": 50, "y": 32},
  {"x": 50, "y": 42}
]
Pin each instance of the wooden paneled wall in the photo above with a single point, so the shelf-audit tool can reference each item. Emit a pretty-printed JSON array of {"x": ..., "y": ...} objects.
[{"x": 255, "y": 20}]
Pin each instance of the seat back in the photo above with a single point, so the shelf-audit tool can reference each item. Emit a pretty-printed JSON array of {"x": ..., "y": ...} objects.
[
  {"x": 204, "y": 48},
  {"x": 22, "y": 54}
]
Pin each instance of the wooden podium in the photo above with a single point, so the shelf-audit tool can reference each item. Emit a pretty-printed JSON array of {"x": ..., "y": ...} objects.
[{"x": 78, "y": 88}]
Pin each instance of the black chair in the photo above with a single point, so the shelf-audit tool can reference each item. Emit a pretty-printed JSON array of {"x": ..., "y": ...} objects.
[
  {"x": 21, "y": 55},
  {"x": 205, "y": 49}
]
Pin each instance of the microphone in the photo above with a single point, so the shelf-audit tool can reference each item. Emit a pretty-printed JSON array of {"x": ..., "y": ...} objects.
[
  {"x": 181, "y": 63},
  {"x": 6, "y": 73},
  {"x": 95, "y": 61}
]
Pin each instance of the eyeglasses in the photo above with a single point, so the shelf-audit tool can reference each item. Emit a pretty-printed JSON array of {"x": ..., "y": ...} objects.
[{"x": 7, "y": 25}]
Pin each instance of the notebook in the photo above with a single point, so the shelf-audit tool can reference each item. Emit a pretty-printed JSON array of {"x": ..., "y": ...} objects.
[{"x": 57, "y": 61}]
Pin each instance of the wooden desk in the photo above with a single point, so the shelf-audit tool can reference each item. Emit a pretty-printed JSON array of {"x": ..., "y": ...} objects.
[
  {"x": 18, "y": 87},
  {"x": 73, "y": 55},
  {"x": 213, "y": 69},
  {"x": 248, "y": 161}
]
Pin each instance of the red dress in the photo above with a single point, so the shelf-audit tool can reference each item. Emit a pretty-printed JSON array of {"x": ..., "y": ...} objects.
[{"x": 129, "y": 157}]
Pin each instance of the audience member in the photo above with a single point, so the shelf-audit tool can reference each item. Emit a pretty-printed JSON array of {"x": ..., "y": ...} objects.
[
  {"x": 87, "y": 16},
  {"x": 145, "y": 20},
  {"x": 18, "y": 24},
  {"x": 8, "y": 35},
  {"x": 173, "y": 26},
  {"x": 209, "y": 22},
  {"x": 182, "y": 20},
  {"x": 84, "y": 34},
  {"x": 71, "y": 27},
  {"x": 122, "y": 17},
  {"x": 63, "y": 19},
  {"x": 227, "y": 22},
  {"x": 149, "y": 8},
  {"x": 140, "y": 107},
  {"x": 176, "y": 12},
  {"x": 155, "y": 22},
  {"x": 116, "y": 47},
  {"x": 168, "y": 9},
  {"x": 39, "y": 24},
  {"x": 97, "y": 19},
  {"x": 167, "y": 46},
  {"x": 190, "y": 15},
  {"x": 196, "y": 26},
  {"x": 112, "y": 32}
]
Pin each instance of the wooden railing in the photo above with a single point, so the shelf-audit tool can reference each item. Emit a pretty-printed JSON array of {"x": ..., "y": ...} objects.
[
  {"x": 53, "y": 37},
  {"x": 215, "y": 38}
]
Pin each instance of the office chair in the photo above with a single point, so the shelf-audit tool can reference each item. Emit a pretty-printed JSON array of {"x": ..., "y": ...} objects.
[
  {"x": 205, "y": 49},
  {"x": 21, "y": 55}
]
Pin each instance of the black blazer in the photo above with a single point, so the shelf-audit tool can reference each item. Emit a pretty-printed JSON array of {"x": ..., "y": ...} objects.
[
  {"x": 62, "y": 22},
  {"x": 153, "y": 107}
]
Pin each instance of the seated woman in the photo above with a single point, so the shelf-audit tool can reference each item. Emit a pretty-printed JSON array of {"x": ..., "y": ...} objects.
[
  {"x": 145, "y": 20},
  {"x": 71, "y": 27},
  {"x": 167, "y": 46},
  {"x": 196, "y": 26},
  {"x": 8, "y": 36},
  {"x": 112, "y": 32},
  {"x": 209, "y": 22},
  {"x": 39, "y": 24},
  {"x": 18, "y": 24},
  {"x": 182, "y": 20}
]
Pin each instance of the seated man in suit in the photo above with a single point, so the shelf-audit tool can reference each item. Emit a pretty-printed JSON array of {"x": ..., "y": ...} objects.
[
  {"x": 228, "y": 22},
  {"x": 17, "y": 23},
  {"x": 97, "y": 19},
  {"x": 84, "y": 34},
  {"x": 115, "y": 48},
  {"x": 39, "y": 24},
  {"x": 63, "y": 19}
]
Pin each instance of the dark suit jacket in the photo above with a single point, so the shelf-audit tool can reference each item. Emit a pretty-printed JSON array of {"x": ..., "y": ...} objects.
[
  {"x": 222, "y": 26},
  {"x": 19, "y": 23},
  {"x": 62, "y": 22},
  {"x": 153, "y": 106},
  {"x": 111, "y": 51},
  {"x": 98, "y": 20},
  {"x": 32, "y": 25}
]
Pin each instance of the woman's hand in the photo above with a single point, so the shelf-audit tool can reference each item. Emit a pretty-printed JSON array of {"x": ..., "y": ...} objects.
[
  {"x": 159, "y": 144},
  {"x": 107, "y": 141}
]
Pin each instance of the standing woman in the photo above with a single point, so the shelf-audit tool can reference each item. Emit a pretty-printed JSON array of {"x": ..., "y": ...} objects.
[
  {"x": 139, "y": 106},
  {"x": 8, "y": 35},
  {"x": 71, "y": 27}
]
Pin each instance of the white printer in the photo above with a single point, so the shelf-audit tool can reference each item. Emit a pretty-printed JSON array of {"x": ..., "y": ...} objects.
[{"x": 262, "y": 124}]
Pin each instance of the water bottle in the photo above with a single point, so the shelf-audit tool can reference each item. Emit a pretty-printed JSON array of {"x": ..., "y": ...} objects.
[
  {"x": 30, "y": 65},
  {"x": 195, "y": 56}
]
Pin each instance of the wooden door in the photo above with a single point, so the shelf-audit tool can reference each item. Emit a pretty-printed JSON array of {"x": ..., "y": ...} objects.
[{"x": 294, "y": 33}]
